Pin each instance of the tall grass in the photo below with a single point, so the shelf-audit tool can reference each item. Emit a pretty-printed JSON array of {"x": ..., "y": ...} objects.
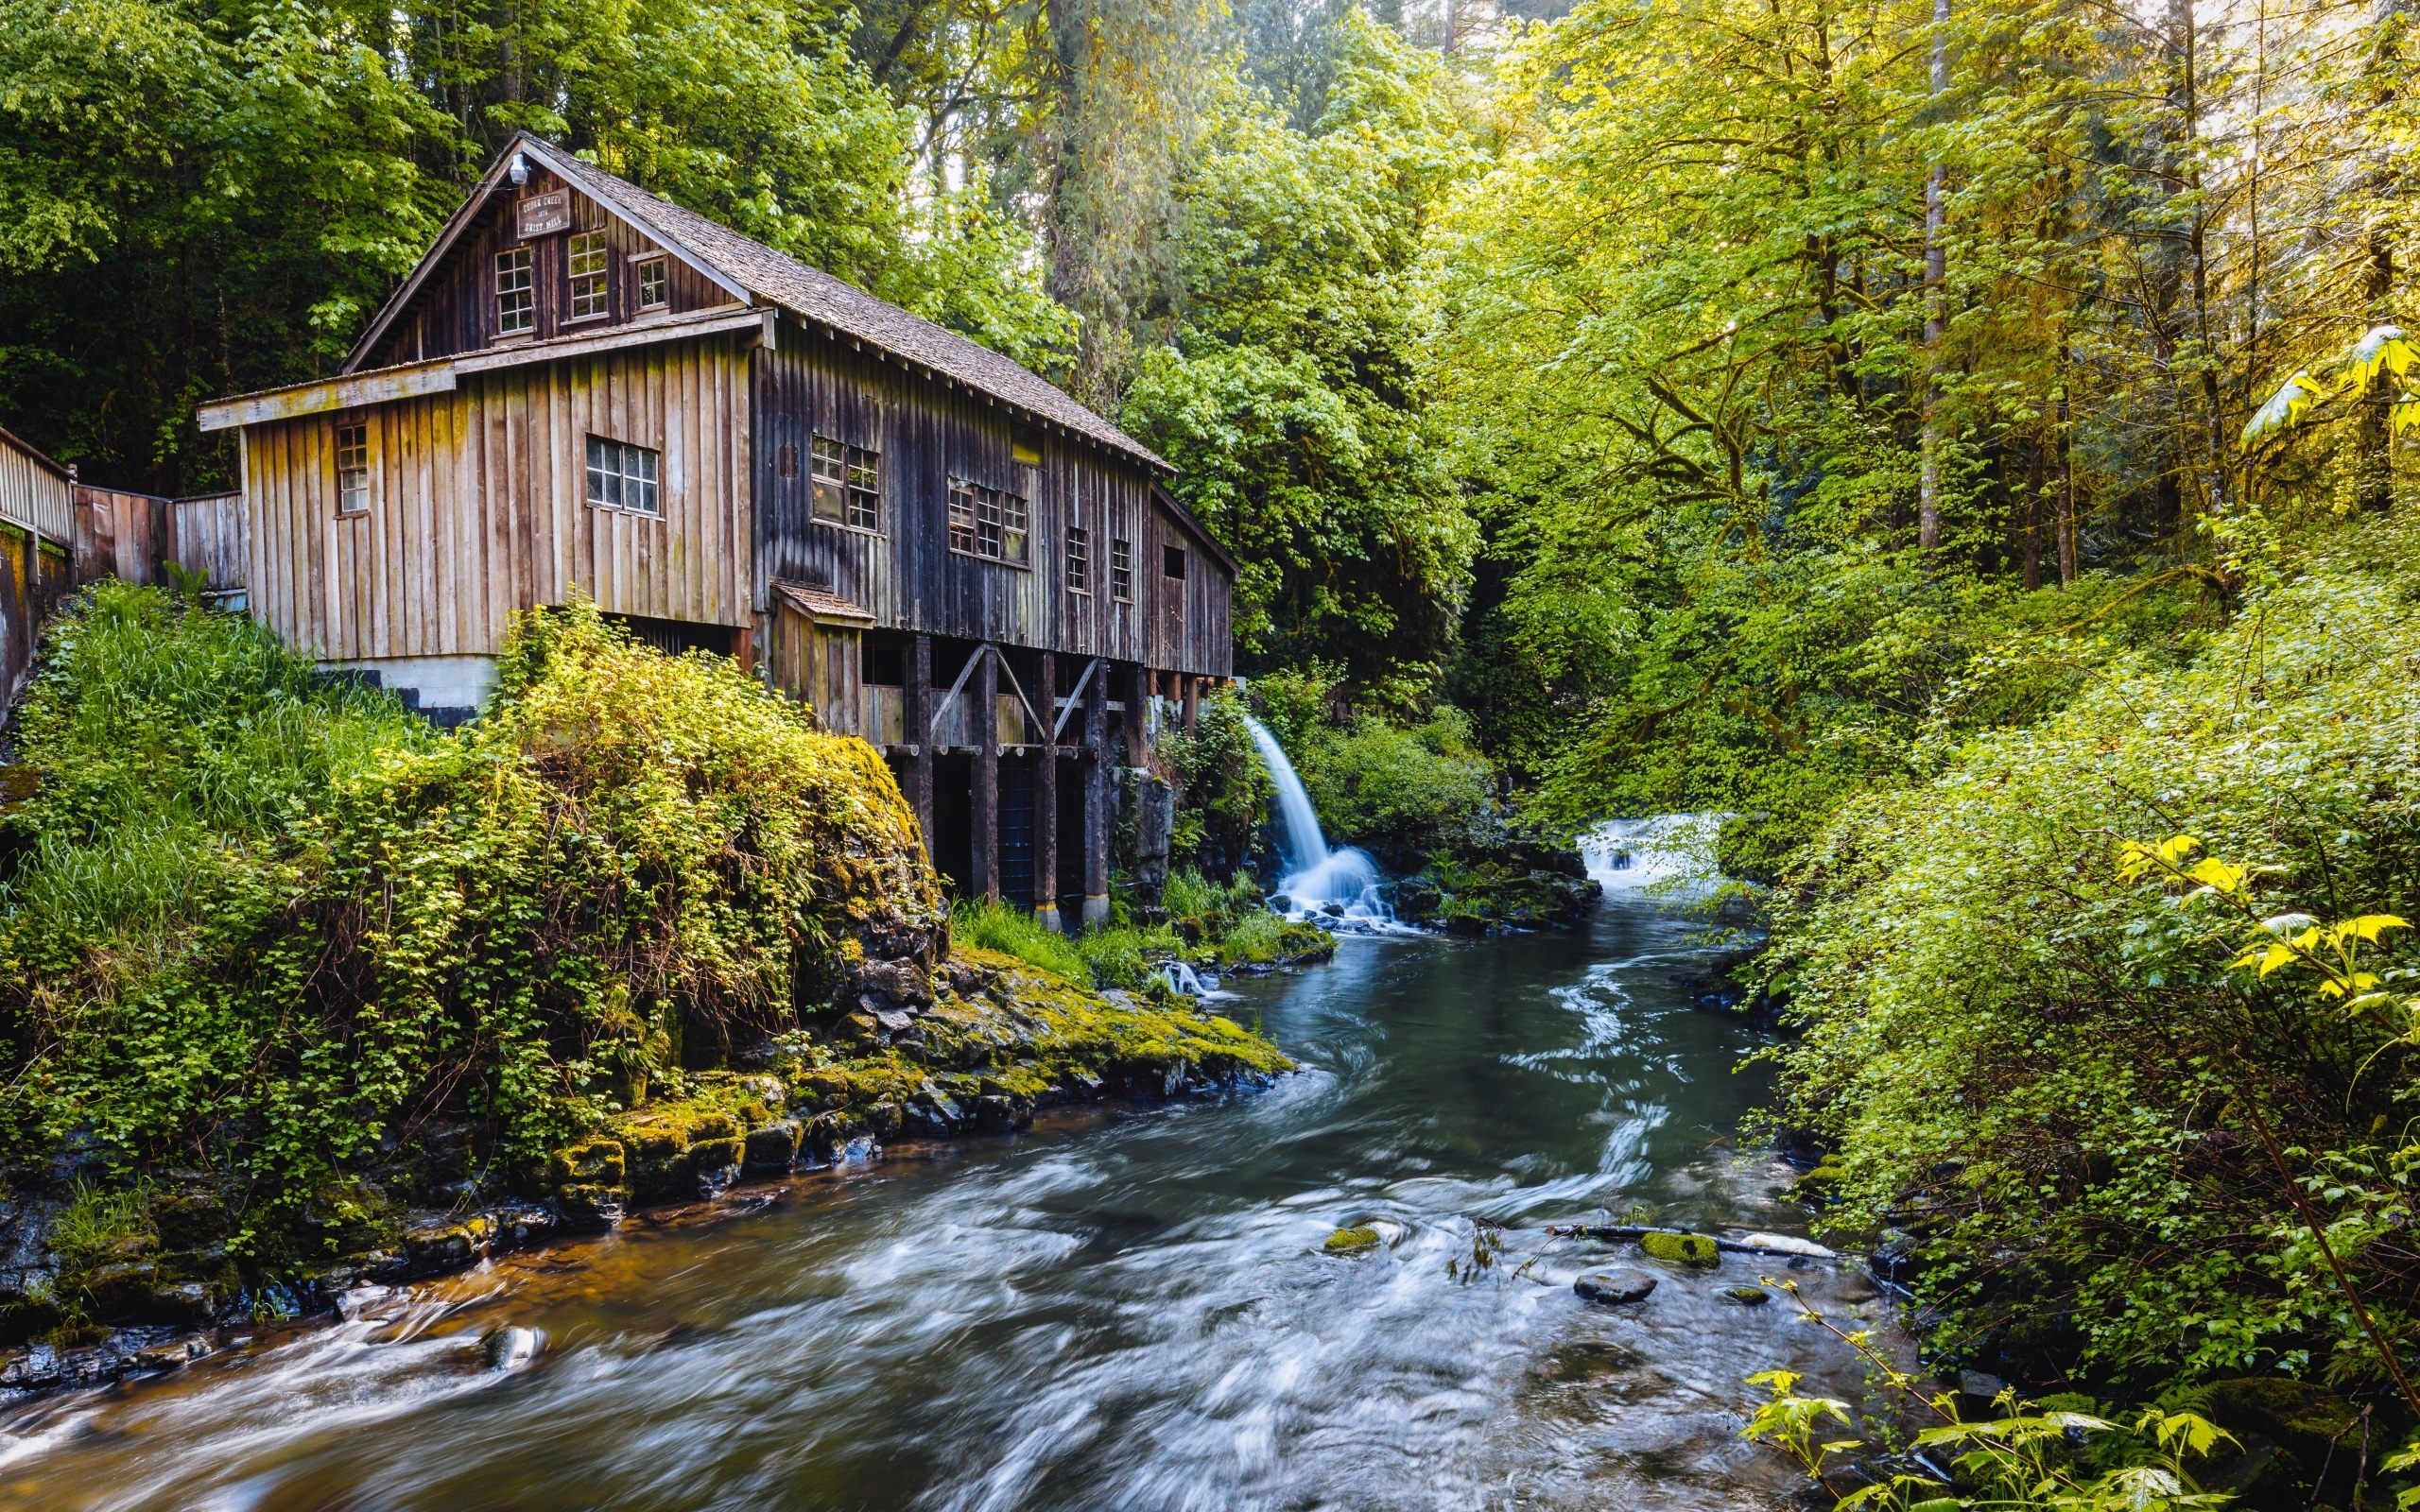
[{"x": 1012, "y": 931}]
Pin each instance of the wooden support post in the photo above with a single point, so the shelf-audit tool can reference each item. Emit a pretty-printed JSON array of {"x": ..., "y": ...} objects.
[
  {"x": 987, "y": 776},
  {"x": 1046, "y": 799},
  {"x": 1192, "y": 704},
  {"x": 1139, "y": 705},
  {"x": 1096, "y": 767},
  {"x": 917, "y": 704}
]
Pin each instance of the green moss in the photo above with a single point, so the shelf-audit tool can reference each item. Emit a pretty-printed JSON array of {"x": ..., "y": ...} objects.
[
  {"x": 1353, "y": 1240},
  {"x": 1685, "y": 1250}
]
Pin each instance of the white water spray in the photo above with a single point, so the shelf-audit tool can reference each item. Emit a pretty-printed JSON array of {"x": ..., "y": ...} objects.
[
  {"x": 1675, "y": 850},
  {"x": 1315, "y": 875}
]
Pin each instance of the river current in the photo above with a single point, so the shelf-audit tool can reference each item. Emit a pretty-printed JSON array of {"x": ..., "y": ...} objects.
[{"x": 1122, "y": 1308}]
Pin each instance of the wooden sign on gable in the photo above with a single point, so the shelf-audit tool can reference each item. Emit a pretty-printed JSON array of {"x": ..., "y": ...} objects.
[{"x": 543, "y": 215}]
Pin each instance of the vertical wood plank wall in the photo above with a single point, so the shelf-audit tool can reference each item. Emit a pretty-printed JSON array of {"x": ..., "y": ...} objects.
[
  {"x": 207, "y": 535},
  {"x": 35, "y": 494},
  {"x": 909, "y": 578},
  {"x": 479, "y": 505}
]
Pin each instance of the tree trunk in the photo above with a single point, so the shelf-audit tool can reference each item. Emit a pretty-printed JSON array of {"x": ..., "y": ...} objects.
[
  {"x": 2033, "y": 513},
  {"x": 2373, "y": 449},
  {"x": 1936, "y": 297}
]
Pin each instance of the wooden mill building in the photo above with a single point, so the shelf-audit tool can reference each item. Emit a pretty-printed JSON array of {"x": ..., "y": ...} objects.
[{"x": 584, "y": 389}]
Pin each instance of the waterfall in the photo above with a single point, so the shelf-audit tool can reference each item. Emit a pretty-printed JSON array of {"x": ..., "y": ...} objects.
[
  {"x": 1669, "y": 851},
  {"x": 1314, "y": 874}
]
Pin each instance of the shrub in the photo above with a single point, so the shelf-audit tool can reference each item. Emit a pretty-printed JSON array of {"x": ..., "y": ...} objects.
[
  {"x": 2039, "y": 1055},
  {"x": 263, "y": 919}
]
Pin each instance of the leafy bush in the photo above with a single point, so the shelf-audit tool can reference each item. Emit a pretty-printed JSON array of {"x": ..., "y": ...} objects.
[
  {"x": 1225, "y": 786},
  {"x": 2106, "y": 1132},
  {"x": 1012, "y": 931},
  {"x": 263, "y": 920},
  {"x": 1404, "y": 791}
]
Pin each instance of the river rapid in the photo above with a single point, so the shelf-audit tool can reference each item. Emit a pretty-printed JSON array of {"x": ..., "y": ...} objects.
[{"x": 1124, "y": 1309}]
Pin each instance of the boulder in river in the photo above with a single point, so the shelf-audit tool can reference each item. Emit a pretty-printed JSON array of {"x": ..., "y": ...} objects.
[
  {"x": 1747, "y": 1296},
  {"x": 1684, "y": 1249},
  {"x": 510, "y": 1348},
  {"x": 1615, "y": 1286},
  {"x": 1360, "y": 1238}
]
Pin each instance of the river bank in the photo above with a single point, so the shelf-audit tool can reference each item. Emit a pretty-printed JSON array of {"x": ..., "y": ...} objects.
[{"x": 1128, "y": 1304}]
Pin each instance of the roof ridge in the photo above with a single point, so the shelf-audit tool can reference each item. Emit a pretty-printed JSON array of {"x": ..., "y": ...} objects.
[{"x": 813, "y": 293}]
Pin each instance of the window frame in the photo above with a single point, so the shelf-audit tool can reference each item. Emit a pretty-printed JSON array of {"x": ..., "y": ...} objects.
[
  {"x": 1174, "y": 556},
  {"x": 521, "y": 263},
  {"x": 600, "y": 259},
  {"x": 653, "y": 268},
  {"x": 608, "y": 458},
  {"x": 1078, "y": 556},
  {"x": 983, "y": 519},
  {"x": 364, "y": 463},
  {"x": 1121, "y": 571},
  {"x": 850, "y": 478}
]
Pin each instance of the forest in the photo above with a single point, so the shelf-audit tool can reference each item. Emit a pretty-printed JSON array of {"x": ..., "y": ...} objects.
[{"x": 1962, "y": 443}]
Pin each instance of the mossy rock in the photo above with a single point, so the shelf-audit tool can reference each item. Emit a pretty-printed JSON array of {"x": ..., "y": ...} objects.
[
  {"x": 2301, "y": 1418},
  {"x": 1682, "y": 1249},
  {"x": 595, "y": 1160},
  {"x": 1353, "y": 1240},
  {"x": 1747, "y": 1296}
]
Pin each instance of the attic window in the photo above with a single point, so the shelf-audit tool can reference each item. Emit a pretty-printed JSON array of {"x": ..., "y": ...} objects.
[
  {"x": 589, "y": 296},
  {"x": 516, "y": 298},
  {"x": 1172, "y": 562},
  {"x": 847, "y": 484},
  {"x": 654, "y": 291},
  {"x": 621, "y": 476}
]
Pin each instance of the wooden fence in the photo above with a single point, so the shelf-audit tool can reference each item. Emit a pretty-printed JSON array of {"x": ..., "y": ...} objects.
[{"x": 56, "y": 533}]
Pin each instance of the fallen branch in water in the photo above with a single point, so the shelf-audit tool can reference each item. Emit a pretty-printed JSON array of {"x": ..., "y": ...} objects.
[{"x": 1733, "y": 1247}]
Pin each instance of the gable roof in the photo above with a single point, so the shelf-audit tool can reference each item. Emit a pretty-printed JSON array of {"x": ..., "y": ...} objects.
[{"x": 753, "y": 272}]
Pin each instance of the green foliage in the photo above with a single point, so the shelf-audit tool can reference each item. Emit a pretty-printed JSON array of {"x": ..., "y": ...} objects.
[
  {"x": 1009, "y": 930},
  {"x": 101, "y": 1222},
  {"x": 1225, "y": 788},
  {"x": 1291, "y": 397},
  {"x": 1405, "y": 790},
  {"x": 2166, "y": 1080},
  {"x": 263, "y": 920},
  {"x": 201, "y": 199}
]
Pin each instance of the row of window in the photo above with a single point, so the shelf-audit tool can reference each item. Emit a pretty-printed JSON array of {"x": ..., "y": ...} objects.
[
  {"x": 586, "y": 265},
  {"x": 847, "y": 483}
]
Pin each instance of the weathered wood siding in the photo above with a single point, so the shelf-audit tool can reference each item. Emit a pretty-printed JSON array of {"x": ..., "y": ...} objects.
[
  {"x": 454, "y": 310},
  {"x": 479, "y": 505},
  {"x": 121, "y": 535},
  {"x": 906, "y": 576},
  {"x": 206, "y": 537}
]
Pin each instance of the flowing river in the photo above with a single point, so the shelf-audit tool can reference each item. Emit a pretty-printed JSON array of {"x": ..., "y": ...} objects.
[{"x": 1124, "y": 1309}]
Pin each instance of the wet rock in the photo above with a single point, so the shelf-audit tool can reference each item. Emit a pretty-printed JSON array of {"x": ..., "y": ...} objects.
[
  {"x": 1682, "y": 1249},
  {"x": 169, "y": 1356},
  {"x": 1001, "y": 1114},
  {"x": 1791, "y": 1244},
  {"x": 774, "y": 1147},
  {"x": 186, "y": 1305},
  {"x": 716, "y": 1163},
  {"x": 121, "y": 1290},
  {"x": 1353, "y": 1240},
  {"x": 38, "y": 1368},
  {"x": 358, "y": 1302},
  {"x": 1615, "y": 1287},
  {"x": 1747, "y": 1296},
  {"x": 508, "y": 1349},
  {"x": 1981, "y": 1385}
]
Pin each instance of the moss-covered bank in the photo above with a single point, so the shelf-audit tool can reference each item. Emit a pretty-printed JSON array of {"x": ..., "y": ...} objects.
[{"x": 297, "y": 990}]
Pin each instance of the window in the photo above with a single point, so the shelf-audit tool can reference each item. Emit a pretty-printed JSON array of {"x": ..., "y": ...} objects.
[
  {"x": 1121, "y": 572},
  {"x": 1172, "y": 562},
  {"x": 352, "y": 468},
  {"x": 989, "y": 523},
  {"x": 516, "y": 301},
  {"x": 653, "y": 291},
  {"x": 1080, "y": 567},
  {"x": 847, "y": 484},
  {"x": 961, "y": 516},
  {"x": 621, "y": 476},
  {"x": 587, "y": 264}
]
